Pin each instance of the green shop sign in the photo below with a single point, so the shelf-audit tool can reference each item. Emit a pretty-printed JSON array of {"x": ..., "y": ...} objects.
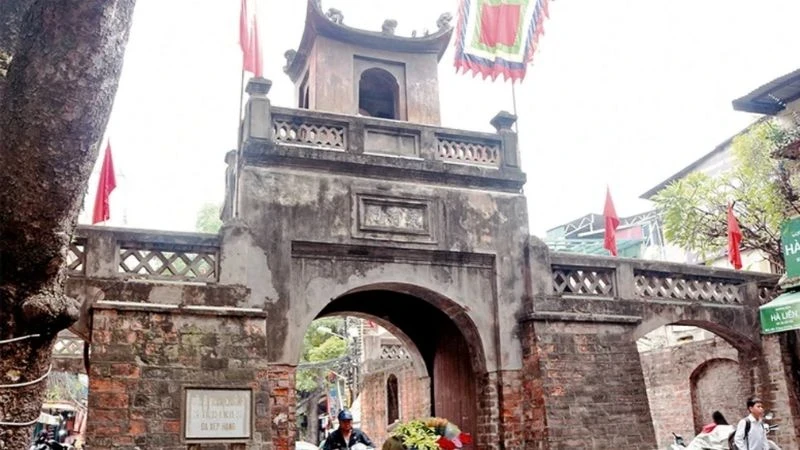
[
  {"x": 781, "y": 314},
  {"x": 790, "y": 240}
]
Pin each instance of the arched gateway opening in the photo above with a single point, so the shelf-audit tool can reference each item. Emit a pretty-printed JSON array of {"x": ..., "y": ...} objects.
[
  {"x": 692, "y": 368},
  {"x": 443, "y": 346}
]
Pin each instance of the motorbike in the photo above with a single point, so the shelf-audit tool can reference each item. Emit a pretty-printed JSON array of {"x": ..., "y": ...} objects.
[
  {"x": 702, "y": 439},
  {"x": 43, "y": 443}
]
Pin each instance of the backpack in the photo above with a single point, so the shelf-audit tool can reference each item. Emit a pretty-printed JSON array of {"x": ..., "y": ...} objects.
[{"x": 731, "y": 442}]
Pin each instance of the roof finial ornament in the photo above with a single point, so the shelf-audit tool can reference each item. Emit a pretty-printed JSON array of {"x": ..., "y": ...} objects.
[
  {"x": 443, "y": 22},
  {"x": 389, "y": 26},
  {"x": 289, "y": 55},
  {"x": 335, "y": 15}
]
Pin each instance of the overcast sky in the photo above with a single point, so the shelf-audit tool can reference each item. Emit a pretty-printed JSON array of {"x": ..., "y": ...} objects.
[{"x": 622, "y": 92}]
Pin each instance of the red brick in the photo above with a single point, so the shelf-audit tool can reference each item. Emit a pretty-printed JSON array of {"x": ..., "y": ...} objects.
[
  {"x": 108, "y": 400},
  {"x": 137, "y": 427},
  {"x": 172, "y": 426}
]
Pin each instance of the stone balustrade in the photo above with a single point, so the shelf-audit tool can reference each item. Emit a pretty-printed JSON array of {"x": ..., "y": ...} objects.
[
  {"x": 366, "y": 145},
  {"x": 633, "y": 279},
  {"x": 103, "y": 252}
]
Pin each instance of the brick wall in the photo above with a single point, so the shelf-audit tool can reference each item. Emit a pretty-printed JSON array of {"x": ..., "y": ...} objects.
[
  {"x": 594, "y": 392},
  {"x": 533, "y": 414},
  {"x": 775, "y": 384},
  {"x": 414, "y": 398},
  {"x": 686, "y": 383},
  {"x": 141, "y": 360},
  {"x": 718, "y": 385},
  {"x": 283, "y": 400}
]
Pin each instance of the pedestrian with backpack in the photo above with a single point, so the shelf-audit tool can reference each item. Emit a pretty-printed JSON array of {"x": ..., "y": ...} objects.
[{"x": 750, "y": 433}]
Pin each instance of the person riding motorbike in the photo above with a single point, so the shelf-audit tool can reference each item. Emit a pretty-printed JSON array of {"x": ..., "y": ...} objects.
[{"x": 346, "y": 437}]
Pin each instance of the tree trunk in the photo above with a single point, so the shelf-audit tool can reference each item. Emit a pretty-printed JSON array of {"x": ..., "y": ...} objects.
[{"x": 63, "y": 61}]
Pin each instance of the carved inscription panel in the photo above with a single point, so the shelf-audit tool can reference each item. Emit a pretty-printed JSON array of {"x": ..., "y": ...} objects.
[
  {"x": 400, "y": 218},
  {"x": 394, "y": 218}
]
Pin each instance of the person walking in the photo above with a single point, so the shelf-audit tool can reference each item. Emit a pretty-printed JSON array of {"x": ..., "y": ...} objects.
[{"x": 750, "y": 433}]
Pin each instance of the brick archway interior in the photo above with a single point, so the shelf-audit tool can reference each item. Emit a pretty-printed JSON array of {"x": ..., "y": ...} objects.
[
  {"x": 443, "y": 336},
  {"x": 686, "y": 382}
]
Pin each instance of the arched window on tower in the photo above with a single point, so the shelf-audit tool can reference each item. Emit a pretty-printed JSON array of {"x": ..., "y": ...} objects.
[
  {"x": 392, "y": 400},
  {"x": 378, "y": 93}
]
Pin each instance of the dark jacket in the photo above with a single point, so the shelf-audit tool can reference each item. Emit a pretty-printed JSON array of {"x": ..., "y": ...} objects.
[{"x": 336, "y": 441}]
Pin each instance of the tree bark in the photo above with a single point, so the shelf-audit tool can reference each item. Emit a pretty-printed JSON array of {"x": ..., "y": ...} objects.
[{"x": 65, "y": 58}]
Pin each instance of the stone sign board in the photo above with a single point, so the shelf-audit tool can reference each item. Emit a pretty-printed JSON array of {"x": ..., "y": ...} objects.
[{"x": 218, "y": 414}]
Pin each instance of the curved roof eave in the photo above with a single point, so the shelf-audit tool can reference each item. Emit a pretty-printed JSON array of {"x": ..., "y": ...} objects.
[{"x": 318, "y": 24}]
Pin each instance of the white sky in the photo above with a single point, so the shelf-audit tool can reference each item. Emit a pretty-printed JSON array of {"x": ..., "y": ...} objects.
[{"x": 623, "y": 92}]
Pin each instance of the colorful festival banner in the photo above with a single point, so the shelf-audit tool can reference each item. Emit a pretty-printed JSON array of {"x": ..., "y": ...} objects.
[{"x": 498, "y": 37}]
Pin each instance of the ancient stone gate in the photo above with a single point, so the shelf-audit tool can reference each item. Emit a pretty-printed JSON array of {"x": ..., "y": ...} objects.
[{"x": 360, "y": 203}]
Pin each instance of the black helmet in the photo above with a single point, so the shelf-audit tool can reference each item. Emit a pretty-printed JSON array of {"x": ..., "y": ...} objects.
[{"x": 345, "y": 415}]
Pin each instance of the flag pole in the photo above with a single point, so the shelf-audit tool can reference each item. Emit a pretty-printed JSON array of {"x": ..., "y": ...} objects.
[
  {"x": 514, "y": 105},
  {"x": 237, "y": 155}
]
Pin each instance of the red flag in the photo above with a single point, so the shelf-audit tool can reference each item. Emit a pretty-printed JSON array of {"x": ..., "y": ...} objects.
[
  {"x": 611, "y": 224},
  {"x": 734, "y": 240},
  {"x": 252, "y": 53},
  {"x": 105, "y": 185},
  {"x": 244, "y": 27}
]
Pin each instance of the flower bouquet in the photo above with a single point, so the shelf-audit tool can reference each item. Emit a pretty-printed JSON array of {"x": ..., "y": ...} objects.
[{"x": 427, "y": 434}]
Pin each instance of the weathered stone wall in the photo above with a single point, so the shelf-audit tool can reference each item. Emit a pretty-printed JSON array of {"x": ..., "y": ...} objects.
[
  {"x": 594, "y": 392},
  {"x": 414, "y": 398},
  {"x": 142, "y": 360},
  {"x": 686, "y": 383}
]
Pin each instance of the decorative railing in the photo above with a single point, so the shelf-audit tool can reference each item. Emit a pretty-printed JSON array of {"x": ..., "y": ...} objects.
[
  {"x": 591, "y": 276},
  {"x": 178, "y": 264},
  {"x": 583, "y": 281},
  {"x": 125, "y": 253},
  {"x": 669, "y": 286},
  {"x": 359, "y": 135},
  {"x": 289, "y": 129},
  {"x": 455, "y": 149},
  {"x": 68, "y": 346},
  {"x": 76, "y": 256},
  {"x": 394, "y": 352}
]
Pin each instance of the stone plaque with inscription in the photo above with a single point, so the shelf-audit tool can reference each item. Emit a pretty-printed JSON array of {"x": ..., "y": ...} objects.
[
  {"x": 218, "y": 414},
  {"x": 402, "y": 219}
]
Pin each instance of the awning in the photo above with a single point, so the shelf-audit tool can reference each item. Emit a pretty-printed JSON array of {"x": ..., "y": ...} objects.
[{"x": 781, "y": 314}]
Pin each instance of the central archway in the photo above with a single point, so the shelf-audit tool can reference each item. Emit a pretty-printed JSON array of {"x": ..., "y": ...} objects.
[{"x": 438, "y": 331}]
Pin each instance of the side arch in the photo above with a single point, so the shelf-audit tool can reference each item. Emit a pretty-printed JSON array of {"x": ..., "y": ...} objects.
[
  {"x": 420, "y": 368},
  {"x": 716, "y": 385},
  {"x": 742, "y": 342}
]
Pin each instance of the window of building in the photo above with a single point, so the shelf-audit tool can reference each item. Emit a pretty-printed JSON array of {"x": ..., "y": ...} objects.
[
  {"x": 378, "y": 93},
  {"x": 392, "y": 400}
]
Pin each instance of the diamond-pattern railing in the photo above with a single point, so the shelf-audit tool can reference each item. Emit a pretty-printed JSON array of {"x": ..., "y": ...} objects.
[
  {"x": 306, "y": 133},
  {"x": 664, "y": 286},
  {"x": 469, "y": 152},
  {"x": 173, "y": 264},
  {"x": 394, "y": 351},
  {"x": 76, "y": 257},
  {"x": 68, "y": 347},
  {"x": 581, "y": 281}
]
